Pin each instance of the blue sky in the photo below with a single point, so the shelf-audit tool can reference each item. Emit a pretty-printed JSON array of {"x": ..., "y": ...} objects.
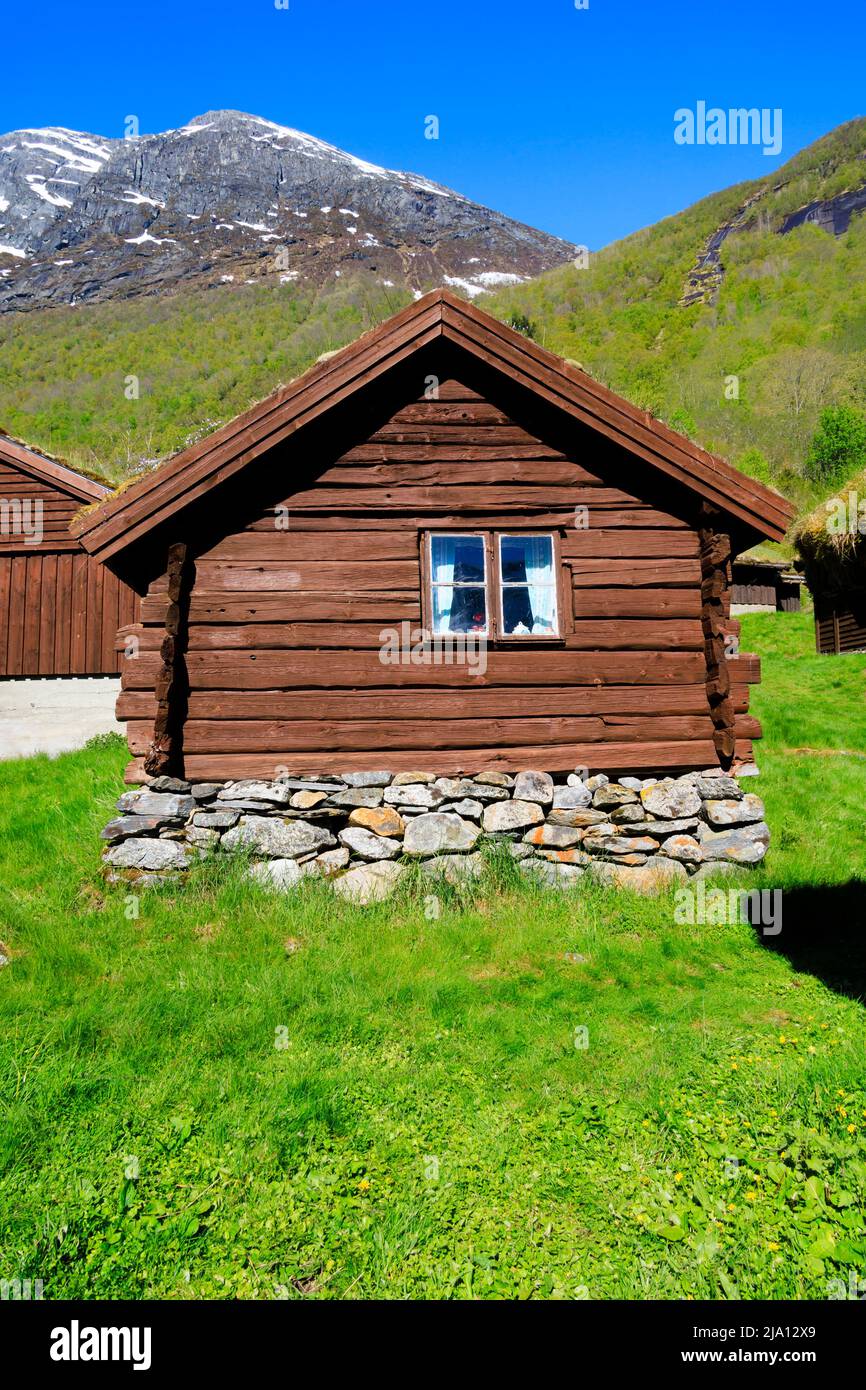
[{"x": 561, "y": 117}]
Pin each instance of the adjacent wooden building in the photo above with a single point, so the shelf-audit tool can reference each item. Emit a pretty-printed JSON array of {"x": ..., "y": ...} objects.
[
  {"x": 761, "y": 585},
  {"x": 59, "y": 608},
  {"x": 442, "y": 473},
  {"x": 832, "y": 546}
]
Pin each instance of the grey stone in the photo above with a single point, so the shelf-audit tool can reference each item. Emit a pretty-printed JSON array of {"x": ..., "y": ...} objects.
[
  {"x": 553, "y": 836},
  {"x": 166, "y": 805},
  {"x": 148, "y": 854},
  {"x": 571, "y": 798},
  {"x": 439, "y": 832},
  {"x": 748, "y": 770},
  {"x": 277, "y": 838},
  {"x": 467, "y": 807},
  {"x": 683, "y": 847},
  {"x": 671, "y": 801},
  {"x": 331, "y": 861},
  {"x": 272, "y": 793},
  {"x": 746, "y": 811},
  {"x": 357, "y": 796},
  {"x": 511, "y": 815},
  {"x": 716, "y": 787},
  {"x": 264, "y": 808},
  {"x": 454, "y": 868},
  {"x": 717, "y": 868},
  {"x": 414, "y": 794},
  {"x": 746, "y": 844},
  {"x": 369, "y": 846},
  {"x": 205, "y": 791},
  {"x": 579, "y": 815},
  {"x": 125, "y": 827},
  {"x": 629, "y": 814},
  {"x": 168, "y": 784},
  {"x": 534, "y": 786},
  {"x": 456, "y": 787},
  {"x": 312, "y": 784},
  {"x": 518, "y": 850},
  {"x": 600, "y": 779},
  {"x": 611, "y": 797},
  {"x": 660, "y": 828},
  {"x": 361, "y": 779},
  {"x": 619, "y": 844},
  {"x": 494, "y": 779},
  {"x": 633, "y": 783},
  {"x": 412, "y": 779},
  {"x": 550, "y": 875},
  {"x": 216, "y": 820},
  {"x": 369, "y": 883},
  {"x": 564, "y": 856},
  {"x": 201, "y": 837},
  {"x": 281, "y": 874},
  {"x": 650, "y": 879}
]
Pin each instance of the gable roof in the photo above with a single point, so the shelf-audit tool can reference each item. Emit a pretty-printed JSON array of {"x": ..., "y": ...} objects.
[
  {"x": 50, "y": 472},
  {"x": 181, "y": 480}
]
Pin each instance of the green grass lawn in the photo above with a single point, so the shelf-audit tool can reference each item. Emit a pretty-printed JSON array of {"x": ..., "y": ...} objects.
[{"x": 211, "y": 1092}]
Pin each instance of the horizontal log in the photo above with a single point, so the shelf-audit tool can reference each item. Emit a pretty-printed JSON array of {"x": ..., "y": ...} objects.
[
  {"x": 474, "y": 703},
  {"x": 293, "y": 545},
  {"x": 307, "y": 576},
  {"x": 207, "y": 607},
  {"x": 460, "y": 500},
  {"x": 277, "y": 736},
  {"x": 611, "y": 757},
  {"x": 613, "y": 544},
  {"x": 636, "y": 603},
  {"x": 635, "y": 573},
  {"x": 359, "y": 670},
  {"x": 454, "y": 451}
]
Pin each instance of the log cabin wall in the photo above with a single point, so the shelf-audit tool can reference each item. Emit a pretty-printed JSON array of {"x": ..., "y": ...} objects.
[
  {"x": 59, "y": 608},
  {"x": 287, "y": 603}
]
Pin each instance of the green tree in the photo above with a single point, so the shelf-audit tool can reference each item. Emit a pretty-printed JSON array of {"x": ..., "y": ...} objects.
[{"x": 838, "y": 447}]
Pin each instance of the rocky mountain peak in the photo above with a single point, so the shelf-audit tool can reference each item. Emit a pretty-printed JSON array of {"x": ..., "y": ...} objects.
[{"x": 235, "y": 197}]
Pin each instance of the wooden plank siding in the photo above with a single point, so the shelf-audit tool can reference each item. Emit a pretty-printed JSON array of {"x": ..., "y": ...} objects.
[
  {"x": 59, "y": 608},
  {"x": 288, "y": 604}
]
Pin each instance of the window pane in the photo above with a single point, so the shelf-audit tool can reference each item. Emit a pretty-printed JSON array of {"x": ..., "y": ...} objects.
[
  {"x": 528, "y": 586},
  {"x": 459, "y": 609},
  {"x": 457, "y": 560},
  {"x": 529, "y": 610}
]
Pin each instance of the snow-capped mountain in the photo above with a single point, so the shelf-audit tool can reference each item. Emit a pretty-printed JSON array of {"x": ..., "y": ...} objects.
[{"x": 233, "y": 197}]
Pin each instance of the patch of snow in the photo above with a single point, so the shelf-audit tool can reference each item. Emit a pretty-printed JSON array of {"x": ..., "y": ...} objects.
[
  {"x": 253, "y": 226},
  {"x": 78, "y": 161},
  {"x": 146, "y": 236},
  {"x": 291, "y": 275},
  {"x": 4, "y": 203},
  {"x": 389, "y": 283},
  {"x": 500, "y": 277},
  {"x": 133, "y": 196},
  {"x": 224, "y": 227},
  {"x": 226, "y": 278},
  {"x": 465, "y": 285},
  {"x": 347, "y": 212},
  {"x": 270, "y": 236},
  {"x": 37, "y": 186},
  {"x": 326, "y": 209},
  {"x": 353, "y": 231},
  {"x": 12, "y": 251},
  {"x": 64, "y": 262}
]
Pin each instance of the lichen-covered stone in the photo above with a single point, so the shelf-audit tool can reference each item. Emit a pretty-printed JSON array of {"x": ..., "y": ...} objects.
[
  {"x": 166, "y": 805},
  {"x": 534, "y": 786},
  {"x": 577, "y": 816},
  {"x": 414, "y": 794},
  {"x": 715, "y": 787},
  {"x": 331, "y": 861},
  {"x": 469, "y": 808},
  {"x": 305, "y": 801},
  {"x": 549, "y": 874},
  {"x": 366, "y": 779},
  {"x": 619, "y": 844},
  {"x": 598, "y": 779},
  {"x": 274, "y": 793},
  {"x": 169, "y": 784},
  {"x": 671, "y": 800},
  {"x": 150, "y": 854},
  {"x": 381, "y": 820},
  {"x": 746, "y": 811},
  {"x": 571, "y": 798},
  {"x": 494, "y": 779},
  {"x": 553, "y": 836},
  {"x": 126, "y": 827},
  {"x": 205, "y": 791},
  {"x": 565, "y": 856},
  {"x": 454, "y": 868},
  {"x": 357, "y": 796},
  {"x": 629, "y": 814},
  {"x": 683, "y": 847},
  {"x": 369, "y": 883},
  {"x": 661, "y": 828},
  {"x": 611, "y": 797},
  {"x": 367, "y": 845},
  {"x": 277, "y": 838},
  {"x": 511, "y": 815},
  {"x": 280, "y": 874},
  {"x": 410, "y": 779},
  {"x": 649, "y": 879},
  {"x": 439, "y": 832},
  {"x": 746, "y": 844},
  {"x": 456, "y": 787}
]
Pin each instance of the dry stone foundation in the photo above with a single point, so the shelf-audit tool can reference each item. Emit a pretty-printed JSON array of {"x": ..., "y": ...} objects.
[{"x": 361, "y": 829}]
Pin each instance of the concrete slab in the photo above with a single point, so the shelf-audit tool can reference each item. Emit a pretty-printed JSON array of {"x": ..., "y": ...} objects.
[{"x": 55, "y": 716}]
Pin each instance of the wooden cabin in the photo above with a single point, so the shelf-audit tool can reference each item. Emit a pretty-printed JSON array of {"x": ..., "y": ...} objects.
[
  {"x": 764, "y": 586},
  {"x": 831, "y": 543},
  {"x": 447, "y": 474},
  {"x": 59, "y": 608}
]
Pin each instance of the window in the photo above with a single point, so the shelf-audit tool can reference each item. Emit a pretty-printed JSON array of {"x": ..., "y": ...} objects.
[
  {"x": 501, "y": 585},
  {"x": 458, "y": 584}
]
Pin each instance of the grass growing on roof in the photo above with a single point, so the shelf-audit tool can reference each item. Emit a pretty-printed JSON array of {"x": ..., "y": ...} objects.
[{"x": 234, "y": 1094}]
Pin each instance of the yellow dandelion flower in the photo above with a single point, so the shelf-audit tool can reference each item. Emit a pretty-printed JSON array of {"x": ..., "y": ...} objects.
[
  {"x": 751, "y": 1196},
  {"x": 678, "y": 1177},
  {"x": 852, "y": 1129},
  {"x": 773, "y": 1245},
  {"x": 363, "y": 1185},
  {"x": 735, "y": 1066}
]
